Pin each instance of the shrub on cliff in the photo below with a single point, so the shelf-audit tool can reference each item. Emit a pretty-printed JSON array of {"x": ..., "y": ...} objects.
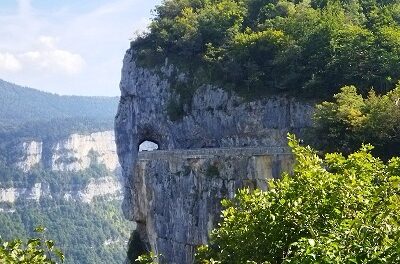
[
  {"x": 332, "y": 210},
  {"x": 350, "y": 120}
]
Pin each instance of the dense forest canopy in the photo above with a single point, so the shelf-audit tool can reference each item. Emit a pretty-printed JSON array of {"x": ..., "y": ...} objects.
[
  {"x": 351, "y": 119},
  {"x": 86, "y": 233},
  {"x": 269, "y": 46}
]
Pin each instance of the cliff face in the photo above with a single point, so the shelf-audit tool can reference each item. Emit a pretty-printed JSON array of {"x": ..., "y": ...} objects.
[
  {"x": 178, "y": 199},
  {"x": 105, "y": 186},
  {"x": 31, "y": 154},
  {"x": 71, "y": 154},
  {"x": 10, "y": 195},
  {"x": 176, "y": 202}
]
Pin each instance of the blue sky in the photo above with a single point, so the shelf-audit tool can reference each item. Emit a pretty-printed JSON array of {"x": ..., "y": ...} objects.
[{"x": 69, "y": 46}]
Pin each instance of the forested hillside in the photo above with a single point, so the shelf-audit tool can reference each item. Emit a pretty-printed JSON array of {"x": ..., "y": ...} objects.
[
  {"x": 258, "y": 47},
  {"x": 88, "y": 230},
  {"x": 29, "y": 112},
  {"x": 86, "y": 233}
]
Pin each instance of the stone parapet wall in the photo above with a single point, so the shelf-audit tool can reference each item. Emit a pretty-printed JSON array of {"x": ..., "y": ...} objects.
[{"x": 207, "y": 152}]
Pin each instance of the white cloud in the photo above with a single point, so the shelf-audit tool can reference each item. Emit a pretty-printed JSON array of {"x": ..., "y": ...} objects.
[
  {"x": 8, "y": 62},
  {"x": 48, "y": 41},
  {"x": 46, "y": 58},
  {"x": 50, "y": 58},
  {"x": 69, "y": 48}
]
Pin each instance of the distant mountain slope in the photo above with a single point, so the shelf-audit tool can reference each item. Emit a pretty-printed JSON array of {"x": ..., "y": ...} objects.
[
  {"x": 20, "y": 104},
  {"x": 29, "y": 112}
]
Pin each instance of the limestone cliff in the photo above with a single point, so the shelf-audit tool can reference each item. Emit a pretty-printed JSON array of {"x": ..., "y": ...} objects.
[
  {"x": 175, "y": 200},
  {"x": 77, "y": 151},
  {"x": 73, "y": 153},
  {"x": 31, "y": 154},
  {"x": 101, "y": 187}
]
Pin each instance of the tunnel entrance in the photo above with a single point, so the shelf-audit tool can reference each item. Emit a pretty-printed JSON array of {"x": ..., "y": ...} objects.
[{"x": 148, "y": 146}]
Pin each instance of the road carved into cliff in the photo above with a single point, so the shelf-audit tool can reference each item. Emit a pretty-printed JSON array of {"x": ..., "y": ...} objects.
[{"x": 209, "y": 152}]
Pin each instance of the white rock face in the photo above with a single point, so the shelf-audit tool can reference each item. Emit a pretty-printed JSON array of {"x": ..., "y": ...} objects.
[
  {"x": 10, "y": 195},
  {"x": 76, "y": 152},
  {"x": 107, "y": 186},
  {"x": 72, "y": 154},
  {"x": 34, "y": 193},
  {"x": 32, "y": 151},
  {"x": 102, "y": 187}
]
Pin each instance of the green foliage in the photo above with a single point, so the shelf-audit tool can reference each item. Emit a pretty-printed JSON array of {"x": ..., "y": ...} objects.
[
  {"x": 331, "y": 210},
  {"x": 36, "y": 250},
  {"x": 81, "y": 230},
  {"x": 350, "y": 120},
  {"x": 258, "y": 47},
  {"x": 147, "y": 259},
  {"x": 88, "y": 233}
]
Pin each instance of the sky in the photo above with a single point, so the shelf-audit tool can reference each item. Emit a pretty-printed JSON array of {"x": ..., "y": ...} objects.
[{"x": 69, "y": 47}]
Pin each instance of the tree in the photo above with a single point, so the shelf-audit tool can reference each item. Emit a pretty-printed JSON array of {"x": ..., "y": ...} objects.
[
  {"x": 327, "y": 44},
  {"x": 350, "y": 120},
  {"x": 36, "y": 251},
  {"x": 334, "y": 209}
]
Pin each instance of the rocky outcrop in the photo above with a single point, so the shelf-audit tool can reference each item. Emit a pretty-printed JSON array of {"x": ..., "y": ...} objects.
[
  {"x": 78, "y": 151},
  {"x": 75, "y": 153},
  {"x": 34, "y": 193},
  {"x": 32, "y": 153},
  {"x": 101, "y": 187},
  {"x": 178, "y": 199},
  {"x": 175, "y": 203},
  {"x": 71, "y": 154}
]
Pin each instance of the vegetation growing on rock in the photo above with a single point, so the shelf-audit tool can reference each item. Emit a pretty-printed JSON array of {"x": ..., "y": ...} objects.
[
  {"x": 332, "y": 210},
  {"x": 259, "y": 47}
]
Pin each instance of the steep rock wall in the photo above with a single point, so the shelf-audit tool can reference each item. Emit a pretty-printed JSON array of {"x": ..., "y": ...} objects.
[
  {"x": 77, "y": 151},
  {"x": 10, "y": 195},
  {"x": 101, "y": 187},
  {"x": 71, "y": 154},
  {"x": 32, "y": 155},
  {"x": 178, "y": 198},
  {"x": 216, "y": 119},
  {"x": 74, "y": 154}
]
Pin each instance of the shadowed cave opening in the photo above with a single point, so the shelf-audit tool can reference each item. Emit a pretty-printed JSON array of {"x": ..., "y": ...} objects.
[{"x": 148, "y": 145}]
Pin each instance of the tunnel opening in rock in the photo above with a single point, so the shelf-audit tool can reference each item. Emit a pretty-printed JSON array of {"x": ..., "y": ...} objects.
[
  {"x": 148, "y": 145},
  {"x": 137, "y": 246}
]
